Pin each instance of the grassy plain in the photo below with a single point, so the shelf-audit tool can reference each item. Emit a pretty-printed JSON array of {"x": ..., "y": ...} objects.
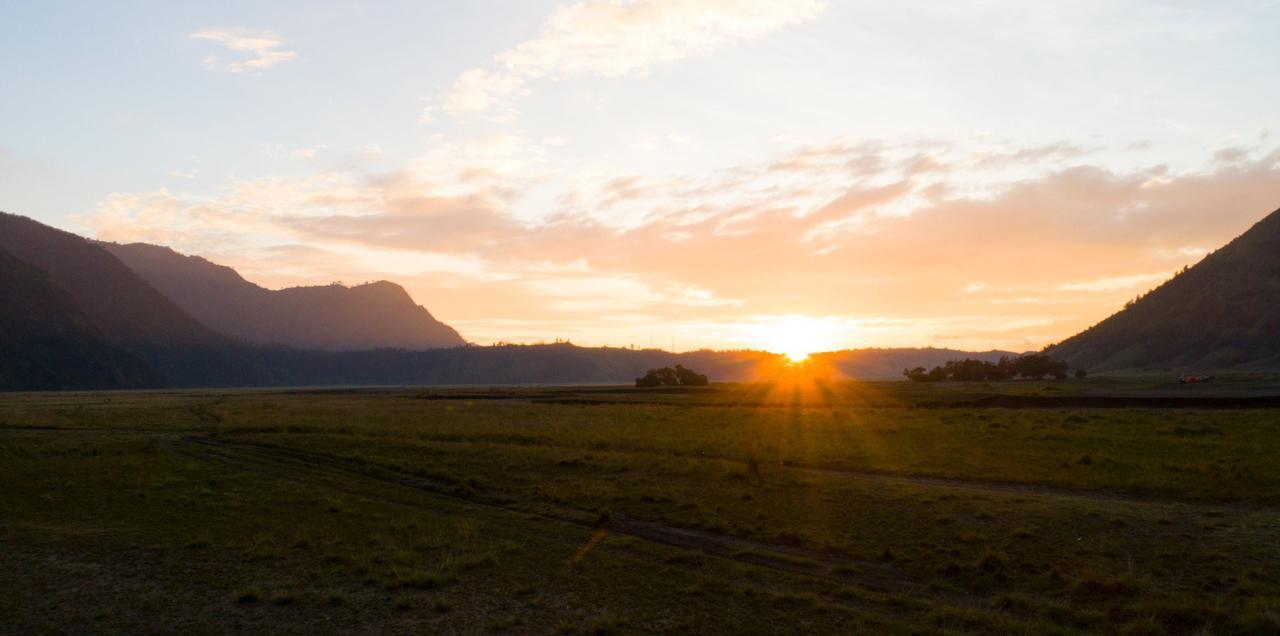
[{"x": 810, "y": 508}]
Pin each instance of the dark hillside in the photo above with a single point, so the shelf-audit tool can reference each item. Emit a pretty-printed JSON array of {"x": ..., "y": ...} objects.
[
  {"x": 47, "y": 343},
  {"x": 124, "y": 309},
  {"x": 1223, "y": 312}
]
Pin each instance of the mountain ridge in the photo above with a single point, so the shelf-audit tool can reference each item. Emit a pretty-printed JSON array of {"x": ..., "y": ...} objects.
[
  {"x": 126, "y": 310},
  {"x": 334, "y": 317}
]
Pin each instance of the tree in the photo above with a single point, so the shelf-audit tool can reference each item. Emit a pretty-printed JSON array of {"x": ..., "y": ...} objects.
[
  {"x": 969, "y": 370},
  {"x": 1035, "y": 366},
  {"x": 689, "y": 377},
  {"x": 1005, "y": 369},
  {"x": 667, "y": 376},
  {"x": 1081, "y": 374},
  {"x": 918, "y": 374}
]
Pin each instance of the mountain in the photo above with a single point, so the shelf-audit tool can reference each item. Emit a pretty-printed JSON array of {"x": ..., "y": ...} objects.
[
  {"x": 332, "y": 317},
  {"x": 123, "y": 308},
  {"x": 46, "y": 342},
  {"x": 1223, "y": 312}
]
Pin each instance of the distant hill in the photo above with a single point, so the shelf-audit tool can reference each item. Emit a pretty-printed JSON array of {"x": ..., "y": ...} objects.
[
  {"x": 1223, "y": 312},
  {"x": 123, "y": 308},
  {"x": 332, "y": 317},
  {"x": 565, "y": 363},
  {"x": 505, "y": 364},
  {"x": 46, "y": 342}
]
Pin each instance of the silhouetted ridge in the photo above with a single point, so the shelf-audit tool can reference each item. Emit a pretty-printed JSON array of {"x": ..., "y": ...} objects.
[
  {"x": 329, "y": 317},
  {"x": 46, "y": 342},
  {"x": 1223, "y": 312},
  {"x": 123, "y": 308}
]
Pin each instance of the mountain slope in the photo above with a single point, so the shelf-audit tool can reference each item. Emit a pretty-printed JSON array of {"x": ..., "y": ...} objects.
[
  {"x": 1223, "y": 312},
  {"x": 46, "y": 342},
  {"x": 122, "y": 307},
  {"x": 332, "y": 317}
]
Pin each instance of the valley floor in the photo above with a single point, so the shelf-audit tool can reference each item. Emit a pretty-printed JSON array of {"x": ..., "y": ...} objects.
[{"x": 803, "y": 508}]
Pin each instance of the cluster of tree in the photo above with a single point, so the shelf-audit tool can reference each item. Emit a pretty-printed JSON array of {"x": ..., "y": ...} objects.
[
  {"x": 668, "y": 376},
  {"x": 1035, "y": 366}
]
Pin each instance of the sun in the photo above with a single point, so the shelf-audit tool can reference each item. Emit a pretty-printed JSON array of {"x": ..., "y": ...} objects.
[
  {"x": 795, "y": 347},
  {"x": 797, "y": 337}
]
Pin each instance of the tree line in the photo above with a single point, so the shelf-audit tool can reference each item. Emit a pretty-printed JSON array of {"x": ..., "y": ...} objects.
[{"x": 1035, "y": 366}]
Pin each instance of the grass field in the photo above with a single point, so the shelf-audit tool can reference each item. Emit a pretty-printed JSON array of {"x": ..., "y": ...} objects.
[{"x": 834, "y": 508}]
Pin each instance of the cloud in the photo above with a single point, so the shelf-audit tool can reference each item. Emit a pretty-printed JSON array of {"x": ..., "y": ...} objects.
[
  {"x": 1048, "y": 153},
  {"x": 622, "y": 189},
  {"x": 824, "y": 240},
  {"x": 259, "y": 50},
  {"x": 609, "y": 38},
  {"x": 452, "y": 225},
  {"x": 615, "y": 39},
  {"x": 860, "y": 156},
  {"x": 165, "y": 218},
  {"x": 478, "y": 90}
]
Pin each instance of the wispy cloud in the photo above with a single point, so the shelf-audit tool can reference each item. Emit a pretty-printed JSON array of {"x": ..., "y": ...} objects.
[
  {"x": 613, "y": 39},
  {"x": 608, "y": 38},
  {"x": 478, "y": 90},
  {"x": 257, "y": 50}
]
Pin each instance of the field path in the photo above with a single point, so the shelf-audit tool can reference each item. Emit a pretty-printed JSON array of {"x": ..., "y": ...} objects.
[
  {"x": 333, "y": 472},
  {"x": 1036, "y": 490},
  {"x": 971, "y": 485}
]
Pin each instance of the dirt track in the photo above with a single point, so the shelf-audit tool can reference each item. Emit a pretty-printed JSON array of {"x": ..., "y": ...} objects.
[{"x": 347, "y": 476}]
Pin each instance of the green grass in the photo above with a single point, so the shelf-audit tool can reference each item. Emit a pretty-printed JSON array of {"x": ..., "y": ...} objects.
[{"x": 868, "y": 507}]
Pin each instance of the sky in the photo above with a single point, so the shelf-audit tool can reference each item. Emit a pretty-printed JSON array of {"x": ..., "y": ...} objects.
[{"x": 810, "y": 174}]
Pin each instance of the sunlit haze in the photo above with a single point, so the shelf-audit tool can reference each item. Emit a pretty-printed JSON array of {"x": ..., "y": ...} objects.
[{"x": 795, "y": 176}]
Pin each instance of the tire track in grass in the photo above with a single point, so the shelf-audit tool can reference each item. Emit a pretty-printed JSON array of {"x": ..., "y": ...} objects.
[
  {"x": 882, "y": 581},
  {"x": 875, "y": 576},
  {"x": 1037, "y": 491},
  {"x": 973, "y": 485}
]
